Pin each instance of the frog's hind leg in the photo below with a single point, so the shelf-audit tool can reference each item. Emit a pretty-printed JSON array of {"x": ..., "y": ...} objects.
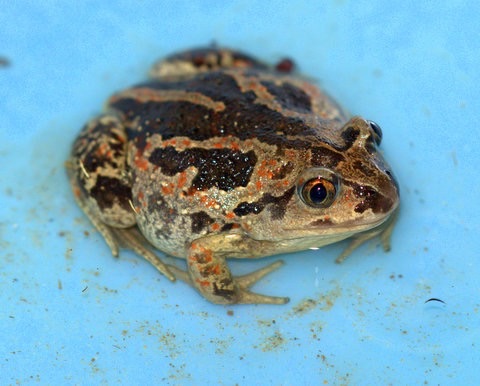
[
  {"x": 101, "y": 187},
  {"x": 98, "y": 172},
  {"x": 133, "y": 240},
  {"x": 82, "y": 201},
  {"x": 201, "y": 60}
]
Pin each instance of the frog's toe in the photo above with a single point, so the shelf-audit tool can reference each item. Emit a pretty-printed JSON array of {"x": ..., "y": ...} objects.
[
  {"x": 132, "y": 239},
  {"x": 180, "y": 274},
  {"x": 247, "y": 297},
  {"x": 244, "y": 282}
]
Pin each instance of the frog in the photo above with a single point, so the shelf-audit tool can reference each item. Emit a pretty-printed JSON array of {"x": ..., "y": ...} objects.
[{"x": 219, "y": 156}]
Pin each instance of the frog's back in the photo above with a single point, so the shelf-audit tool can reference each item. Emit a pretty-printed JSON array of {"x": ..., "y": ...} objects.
[{"x": 242, "y": 102}]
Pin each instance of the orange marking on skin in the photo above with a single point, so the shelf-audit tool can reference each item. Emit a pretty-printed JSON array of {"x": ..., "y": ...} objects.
[
  {"x": 229, "y": 215},
  {"x": 235, "y": 226},
  {"x": 211, "y": 270},
  {"x": 212, "y": 204},
  {"x": 77, "y": 192},
  {"x": 203, "y": 283},
  {"x": 259, "y": 185},
  {"x": 272, "y": 162},
  {"x": 215, "y": 226},
  {"x": 218, "y": 146},
  {"x": 202, "y": 254},
  {"x": 186, "y": 142},
  {"x": 170, "y": 142},
  {"x": 141, "y": 163},
  {"x": 265, "y": 169},
  {"x": 208, "y": 255},
  {"x": 235, "y": 146},
  {"x": 141, "y": 199},
  {"x": 208, "y": 202},
  {"x": 101, "y": 150},
  {"x": 168, "y": 189},
  {"x": 182, "y": 180},
  {"x": 192, "y": 191},
  {"x": 290, "y": 154},
  {"x": 216, "y": 270}
]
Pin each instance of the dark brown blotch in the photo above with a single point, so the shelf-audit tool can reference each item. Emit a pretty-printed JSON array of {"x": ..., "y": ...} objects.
[
  {"x": 277, "y": 208},
  {"x": 350, "y": 135},
  {"x": 363, "y": 168},
  {"x": 289, "y": 96},
  {"x": 283, "y": 171},
  {"x": 245, "y": 208},
  {"x": 325, "y": 157},
  {"x": 108, "y": 191},
  {"x": 224, "y": 169},
  {"x": 227, "y": 227},
  {"x": 200, "y": 221},
  {"x": 371, "y": 199}
]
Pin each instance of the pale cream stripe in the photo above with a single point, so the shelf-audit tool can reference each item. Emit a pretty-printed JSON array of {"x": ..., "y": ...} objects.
[{"x": 145, "y": 94}]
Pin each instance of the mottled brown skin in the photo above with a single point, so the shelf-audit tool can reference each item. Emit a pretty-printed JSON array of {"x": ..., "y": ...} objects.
[{"x": 219, "y": 155}]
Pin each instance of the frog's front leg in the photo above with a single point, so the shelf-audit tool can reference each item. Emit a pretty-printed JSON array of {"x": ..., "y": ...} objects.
[
  {"x": 209, "y": 273},
  {"x": 101, "y": 186},
  {"x": 384, "y": 231}
]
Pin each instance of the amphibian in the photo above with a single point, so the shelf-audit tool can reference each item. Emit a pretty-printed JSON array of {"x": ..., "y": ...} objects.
[{"x": 220, "y": 156}]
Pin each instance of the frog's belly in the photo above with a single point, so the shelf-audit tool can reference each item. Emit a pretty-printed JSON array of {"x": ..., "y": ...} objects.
[{"x": 167, "y": 235}]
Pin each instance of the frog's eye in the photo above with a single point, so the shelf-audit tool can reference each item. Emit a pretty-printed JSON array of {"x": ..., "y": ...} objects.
[
  {"x": 318, "y": 192},
  {"x": 377, "y": 132},
  {"x": 318, "y": 187}
]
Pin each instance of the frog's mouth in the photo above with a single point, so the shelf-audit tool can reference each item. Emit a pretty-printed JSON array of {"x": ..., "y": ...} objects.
[{"x": 323, "y": 234}]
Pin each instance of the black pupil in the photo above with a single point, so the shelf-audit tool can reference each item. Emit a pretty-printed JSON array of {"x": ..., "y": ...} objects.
[{"x": 318, "y": 193}]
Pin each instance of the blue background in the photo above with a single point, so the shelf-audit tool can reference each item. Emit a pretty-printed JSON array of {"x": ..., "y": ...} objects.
[{"x": 72, "y": 314}]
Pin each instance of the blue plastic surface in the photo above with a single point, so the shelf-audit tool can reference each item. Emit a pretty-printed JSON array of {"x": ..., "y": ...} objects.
[{"x": 72, "y": 314}]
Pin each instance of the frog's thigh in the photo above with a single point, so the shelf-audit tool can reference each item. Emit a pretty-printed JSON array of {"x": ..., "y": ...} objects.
[
  {"x": 97, "y": 172},
  {"x": 211, "y": 276}
]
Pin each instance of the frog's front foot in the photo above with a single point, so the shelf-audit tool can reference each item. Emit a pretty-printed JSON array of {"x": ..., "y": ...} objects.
[
  {"x": 384, "y": 231},
  {"x": 210, "y": 275}
]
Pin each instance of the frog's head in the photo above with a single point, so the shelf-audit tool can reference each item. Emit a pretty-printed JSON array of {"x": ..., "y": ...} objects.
[{"x": 343, "y": 189}]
